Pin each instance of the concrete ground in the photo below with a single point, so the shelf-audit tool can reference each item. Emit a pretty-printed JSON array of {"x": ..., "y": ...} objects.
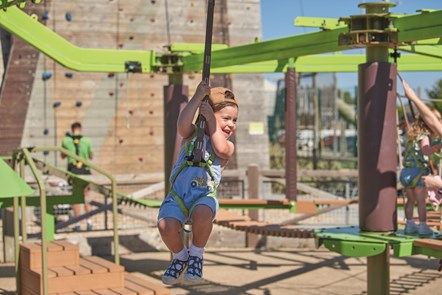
[{"x": 282, "y": 271}]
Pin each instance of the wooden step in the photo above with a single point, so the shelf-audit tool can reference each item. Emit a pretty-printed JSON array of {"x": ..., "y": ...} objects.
[
  {"x": 435, "y": 245},
  {"x": 91, "y": 273},
  {"x": 146, "y": 283},
  {"x": 133, "y": 285},
  {"x": 60, "y": 253}
]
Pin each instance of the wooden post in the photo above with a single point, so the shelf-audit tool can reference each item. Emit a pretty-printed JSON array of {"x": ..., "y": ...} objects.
[{"x": 253, "y": 193}]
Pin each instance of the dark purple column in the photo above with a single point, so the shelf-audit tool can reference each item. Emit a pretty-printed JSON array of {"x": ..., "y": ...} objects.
[
  {"x": 290, "y": 134},
  {"x": 175, "y": 99},
  {"x": 377, "y": 147}
]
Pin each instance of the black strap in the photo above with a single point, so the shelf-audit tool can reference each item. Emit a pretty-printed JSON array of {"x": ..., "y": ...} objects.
[
  {"x": 76, "y": 139},
  {"x": 201, "y": 122}
]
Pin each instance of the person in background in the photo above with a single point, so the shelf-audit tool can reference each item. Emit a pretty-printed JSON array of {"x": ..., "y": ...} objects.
[
  {"x": 80, "y": 145},
  {"x": 417, "y": 163},
  {"x": 433, "y": 121}
]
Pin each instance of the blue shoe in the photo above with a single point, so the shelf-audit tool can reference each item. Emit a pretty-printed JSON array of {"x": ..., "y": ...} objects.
[
  {"x": 424, "y": 230},
  {"x": 90, "y": 226},
  {"x": 411, "y": 229},
  {"x": 194, "y": 271},
  {"x": 172, "y": 274},
  {"x": 77, "y": 228}
]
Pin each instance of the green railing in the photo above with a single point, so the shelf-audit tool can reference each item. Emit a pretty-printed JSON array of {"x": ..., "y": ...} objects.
[{"x": 23, "y": 157}]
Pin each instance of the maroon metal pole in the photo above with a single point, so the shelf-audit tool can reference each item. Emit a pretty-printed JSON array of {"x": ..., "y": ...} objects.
[
  {"x": 175, "y": 99},
  {"x": 290, "y": 134},
  {"x": 377, "y": 147}
]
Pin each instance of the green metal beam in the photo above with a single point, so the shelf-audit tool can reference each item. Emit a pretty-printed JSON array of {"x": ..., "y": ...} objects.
[
  {"x": 427, "y": 50},
  {"x": 427, "y": 252},
  {"x": 21, "y": 3},
  {"x": 80, "y": 59},
  {"x": 421, "y": 26},
  {"x": 319, "y": 22},
  {"x": 350, "y": 241},
  {"x": 194, "y": 47},
  {"x": 262, "y": 57},
  {"x": 332, "y": 63},
  {"x": 279, "y": 49},
  {"x": 417, "y": 27}
]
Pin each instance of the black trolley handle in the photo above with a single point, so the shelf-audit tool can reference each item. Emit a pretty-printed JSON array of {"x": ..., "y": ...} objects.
[{"x": 201, "y": 122}]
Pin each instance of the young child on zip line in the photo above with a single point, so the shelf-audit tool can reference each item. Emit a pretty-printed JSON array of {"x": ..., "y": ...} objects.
[{"x": 192, "y": 198}]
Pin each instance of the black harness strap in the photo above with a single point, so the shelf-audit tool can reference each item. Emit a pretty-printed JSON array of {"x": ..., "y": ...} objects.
[
  {"x": 201, "y": 122},
  {"x": 76, "y": 139}
]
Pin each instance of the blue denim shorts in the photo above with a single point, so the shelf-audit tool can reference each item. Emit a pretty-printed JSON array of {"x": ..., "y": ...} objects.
[
  {"x": 411, "y": 177},
  {"x": 171, "y": 209}
]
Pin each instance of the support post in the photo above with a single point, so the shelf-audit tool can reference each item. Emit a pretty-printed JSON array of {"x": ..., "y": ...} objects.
[
  {"x": 378, "y": 273},
  {"x": 377, "y": 147},
  {"x": 290, "y": 135},
  {"x": 253, "y": 193}
]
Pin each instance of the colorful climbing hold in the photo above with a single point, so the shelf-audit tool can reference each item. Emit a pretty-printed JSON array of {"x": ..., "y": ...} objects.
[
  {"x": 68, "y": 16},
  {"x": 46, "y": 75}
]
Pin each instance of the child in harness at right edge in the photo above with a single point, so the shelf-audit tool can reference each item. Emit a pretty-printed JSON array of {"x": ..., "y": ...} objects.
[
  {"x": 192, "y": 198},
  {"x": 420, "y": 159}
]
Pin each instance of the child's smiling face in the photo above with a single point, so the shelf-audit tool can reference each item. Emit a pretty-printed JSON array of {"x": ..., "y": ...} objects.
[{"x": 226, "y": 119}]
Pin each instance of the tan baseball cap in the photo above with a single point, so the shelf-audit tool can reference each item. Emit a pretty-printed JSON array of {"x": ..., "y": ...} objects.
[{"x": 219, "y": 95}]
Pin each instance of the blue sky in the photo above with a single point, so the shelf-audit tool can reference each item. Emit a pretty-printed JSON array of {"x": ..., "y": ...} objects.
[{"x": 278, "y": 18}]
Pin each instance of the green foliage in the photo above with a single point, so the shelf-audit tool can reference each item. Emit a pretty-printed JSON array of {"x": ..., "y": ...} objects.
[{"x": 348, "y": 98}]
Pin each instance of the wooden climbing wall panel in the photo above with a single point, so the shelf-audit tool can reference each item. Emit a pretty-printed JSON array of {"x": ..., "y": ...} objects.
[{"x": 123, "y": 114}]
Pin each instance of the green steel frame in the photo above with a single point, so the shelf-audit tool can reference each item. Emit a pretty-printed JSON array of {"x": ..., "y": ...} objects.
[{"x": 259, "y": 57}]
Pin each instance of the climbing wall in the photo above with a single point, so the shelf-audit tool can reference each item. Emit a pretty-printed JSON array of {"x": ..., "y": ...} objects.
[
  {"x": 123, "y": 113},
  {"x": 21, "y": 61}
]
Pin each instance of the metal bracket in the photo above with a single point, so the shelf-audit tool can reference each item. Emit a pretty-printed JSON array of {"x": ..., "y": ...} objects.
[
  {"x": 133, "y": 66},
  {"x": 368, "y": 29},
  {"x": 169, "y": 64},
  {"x": 395, "y": 55}
]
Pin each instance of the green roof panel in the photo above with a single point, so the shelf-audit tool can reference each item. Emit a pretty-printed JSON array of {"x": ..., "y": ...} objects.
[{"x": 11, "y": 185}]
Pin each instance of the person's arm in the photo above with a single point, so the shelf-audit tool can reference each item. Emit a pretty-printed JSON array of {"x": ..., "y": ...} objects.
[
  {"x": 185, "y": 124},
  {"x": 427, "y": 115},
  {"x": 63, "y": 156},
  {"x": 433, "y": 182},
  {"x": 222, "y": 147}
]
